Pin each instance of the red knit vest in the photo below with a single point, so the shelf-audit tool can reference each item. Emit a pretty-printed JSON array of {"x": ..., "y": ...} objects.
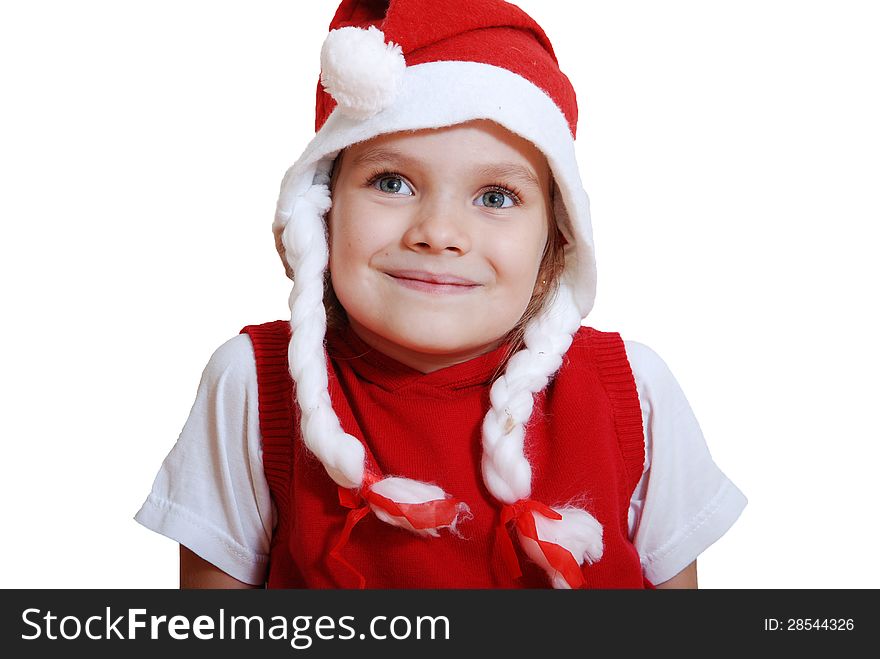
[{"x": 584, "y": 441}]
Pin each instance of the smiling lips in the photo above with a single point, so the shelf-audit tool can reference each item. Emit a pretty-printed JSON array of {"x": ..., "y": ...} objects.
[{"x": 428, "y": 282}]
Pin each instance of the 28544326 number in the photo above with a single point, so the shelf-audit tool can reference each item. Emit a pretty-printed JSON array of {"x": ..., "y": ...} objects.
[{"x": 809, "y": 624}]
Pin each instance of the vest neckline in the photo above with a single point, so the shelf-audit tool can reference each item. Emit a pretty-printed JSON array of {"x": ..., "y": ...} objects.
[{"x": 346, "y": 349}]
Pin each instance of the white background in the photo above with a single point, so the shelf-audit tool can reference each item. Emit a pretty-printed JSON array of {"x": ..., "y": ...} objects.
[{"x": 731, "y": 153}]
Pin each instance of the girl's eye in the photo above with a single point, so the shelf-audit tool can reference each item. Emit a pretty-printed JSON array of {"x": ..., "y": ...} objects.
[
  {"x": 392, "y": 185},
  {"x": 496, "y": 199}
]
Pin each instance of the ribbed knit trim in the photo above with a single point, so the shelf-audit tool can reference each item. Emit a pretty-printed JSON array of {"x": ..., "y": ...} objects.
[
  {"x": 617, "y": 378},
  {"x": 275, "y": 388}
]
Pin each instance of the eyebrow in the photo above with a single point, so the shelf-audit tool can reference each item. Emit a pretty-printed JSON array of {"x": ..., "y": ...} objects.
[
  {"x": 510, "y": 171},
  {"x": 500, "y": 171},
  {"x": 381, "y": 156}
]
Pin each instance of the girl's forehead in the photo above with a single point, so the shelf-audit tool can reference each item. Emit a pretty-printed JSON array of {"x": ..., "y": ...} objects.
[
  {"x": 481, "y": 144},
  {"x": 478, "y": 131}
]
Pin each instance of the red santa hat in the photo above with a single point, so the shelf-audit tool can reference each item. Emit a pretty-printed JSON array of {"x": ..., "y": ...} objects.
[{"x": 389, "y": 66}]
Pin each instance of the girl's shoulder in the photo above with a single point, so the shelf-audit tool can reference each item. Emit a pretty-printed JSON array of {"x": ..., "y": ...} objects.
[
  {"x": 657, "y": 387},
  {"x": 647, "y": 365},
  {"x": 233, "y": 361},
  {"x": 236, "y": 359},
  {"x": 609, "y": 355},
  {"x": 648, "y": 368}
]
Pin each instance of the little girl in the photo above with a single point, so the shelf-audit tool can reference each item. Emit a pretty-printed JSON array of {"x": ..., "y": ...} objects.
[{"x": 434, "y": 415}]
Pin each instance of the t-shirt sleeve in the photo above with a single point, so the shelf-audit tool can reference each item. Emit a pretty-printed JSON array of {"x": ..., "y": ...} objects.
[
  {"x": 683, "y": 502},
  {"x": 211, "y": 494}
]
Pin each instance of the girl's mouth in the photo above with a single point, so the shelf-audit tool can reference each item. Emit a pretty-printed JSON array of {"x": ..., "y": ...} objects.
[{"x": 428, "y": 282}]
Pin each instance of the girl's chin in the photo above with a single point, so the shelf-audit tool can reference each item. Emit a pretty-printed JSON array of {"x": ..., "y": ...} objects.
[
  {"x": 436, "y": 339},
  {"x": 437, "y": 345},
  {"x": 435, "y": 329},
  {"x": 427, "y": 345}
]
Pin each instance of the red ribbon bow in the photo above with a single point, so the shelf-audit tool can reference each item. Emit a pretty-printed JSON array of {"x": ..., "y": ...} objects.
[
  {"x": 559, "y": 558},
  {"x": 427, "y": 515}
]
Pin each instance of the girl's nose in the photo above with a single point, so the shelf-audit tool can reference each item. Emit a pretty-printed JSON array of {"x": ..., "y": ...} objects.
[{"x": 437, "y": 229}]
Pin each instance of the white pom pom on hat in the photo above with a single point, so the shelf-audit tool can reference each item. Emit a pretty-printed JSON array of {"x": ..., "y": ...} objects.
[{"x": 360, "y": 71}]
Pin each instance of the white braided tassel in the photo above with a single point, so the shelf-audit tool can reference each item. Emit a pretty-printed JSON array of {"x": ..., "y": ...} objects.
[
  {"x": 305, "y": 244},
  {"x": 506, "y": 470}
]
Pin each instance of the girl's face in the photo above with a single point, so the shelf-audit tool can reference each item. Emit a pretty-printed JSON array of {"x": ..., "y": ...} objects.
[{"x": 436, "y": 239}]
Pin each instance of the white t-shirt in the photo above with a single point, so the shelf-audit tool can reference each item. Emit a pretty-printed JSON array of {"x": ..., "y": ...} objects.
[{"x": 211, "y": 493}]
